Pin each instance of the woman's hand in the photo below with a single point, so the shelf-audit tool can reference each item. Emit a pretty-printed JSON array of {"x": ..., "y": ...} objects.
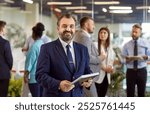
[{"x": 108, "y": 69}]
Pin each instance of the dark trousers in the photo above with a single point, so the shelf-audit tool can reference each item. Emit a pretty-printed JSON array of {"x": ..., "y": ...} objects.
[
  {"x": 34, "y": 89},
  {"x": 4, "y": 84},
  {"x": 136, "y": 77},
  {"x": 102, "y": 88},
  {"x": 41, "y": 91}
]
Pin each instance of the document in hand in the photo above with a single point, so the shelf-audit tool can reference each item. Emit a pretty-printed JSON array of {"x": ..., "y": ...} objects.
[
  {"x": 84, "y": 78},
  {"x": 136, "y": 57}
]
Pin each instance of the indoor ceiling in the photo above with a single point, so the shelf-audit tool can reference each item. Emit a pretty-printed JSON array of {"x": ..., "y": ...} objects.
[{"x": 100, "y": 13}]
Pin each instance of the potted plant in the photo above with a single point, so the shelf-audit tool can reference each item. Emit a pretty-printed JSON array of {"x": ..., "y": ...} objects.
[{"x": 118, "y": 76}]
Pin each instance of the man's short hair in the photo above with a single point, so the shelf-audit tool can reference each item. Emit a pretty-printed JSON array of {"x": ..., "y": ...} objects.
[
  {"x": 66, "y": 16},
  {"x": 84, "y": 20},
  {"x": 137, "y": 26},
  {"x": 2, "y": 24}
]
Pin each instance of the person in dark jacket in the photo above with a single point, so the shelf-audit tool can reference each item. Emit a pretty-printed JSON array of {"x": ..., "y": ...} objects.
[
  {"x": 6, "y": 61},
  {"x": 62, "y": 61}
]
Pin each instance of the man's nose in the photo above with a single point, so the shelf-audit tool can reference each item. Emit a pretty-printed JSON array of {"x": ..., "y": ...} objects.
[{"x": 68, "y": 28}]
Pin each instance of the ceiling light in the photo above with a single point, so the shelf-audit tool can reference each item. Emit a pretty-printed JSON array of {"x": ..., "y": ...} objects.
[
  {"x": 143, "y": 7},
  {"x": 106, "y": 3},
  {"x": 57, "y": 10},
  {"x": 59, "y": 3},
  {"x": 104, "y": 10},
  {"x": 28, "y": 1},
  {"x": 75, "y": 7},
  {"x": 148, "y": 11},
  {"x": 119, "y": 7},
  {"x": 9, "y": 1},
  {"x": 83, "y": 11},
  {"x": 121, "y": 11}
]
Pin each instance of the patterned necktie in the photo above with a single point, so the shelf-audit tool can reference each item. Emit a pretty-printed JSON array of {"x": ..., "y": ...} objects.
[
  {"x": 70, "y": 59},
  {"x": 135, "y": 63}
]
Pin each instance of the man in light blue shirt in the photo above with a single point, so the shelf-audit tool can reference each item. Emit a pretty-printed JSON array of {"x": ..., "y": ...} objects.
[{"x": 136, "y": 52}]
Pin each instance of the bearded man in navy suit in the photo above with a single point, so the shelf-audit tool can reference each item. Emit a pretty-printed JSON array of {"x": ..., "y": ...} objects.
[
  {"x": 6, "y": 61},
  {"x": 54, "y": 71}
]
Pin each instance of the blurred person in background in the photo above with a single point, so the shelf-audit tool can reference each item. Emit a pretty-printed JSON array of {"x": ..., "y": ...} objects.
[
  {"x": 105, "y": 48},
  {"x": 31, "y": 61},
  {"x": 6, "y": 61},
  {"x": 136, "y": 53},
  {"x": 83, "y": 36},
  {"x": 29, "y": 42}
]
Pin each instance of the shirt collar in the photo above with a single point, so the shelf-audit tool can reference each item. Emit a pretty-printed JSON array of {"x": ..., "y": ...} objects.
[
  {"x": 137, "y": 40},
  {"x": 86, "y": 33},
  {"x": 64, "y": 44},
  {"x": 2, "y": 35}
]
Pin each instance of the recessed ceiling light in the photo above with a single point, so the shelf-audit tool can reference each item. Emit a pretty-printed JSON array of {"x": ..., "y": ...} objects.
[
  {"x": 28, "y": 1},
  {"x": 121, "y": 11},
  {"x": 120, "y": 7},
  {"x": 59, "y": 3},
  {"x": 106, "y": 3},
  {"x": 75, "y": 7}
]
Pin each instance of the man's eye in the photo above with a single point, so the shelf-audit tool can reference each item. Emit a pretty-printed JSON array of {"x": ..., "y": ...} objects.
[
  {"x": 72, "y": 26},
  {"x": 64, "y": 26}
]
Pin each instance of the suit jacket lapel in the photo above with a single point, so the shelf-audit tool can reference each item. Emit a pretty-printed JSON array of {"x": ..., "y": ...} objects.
[
  {"x": 62, "y": 53},
  {"x": 77, "y": 57}
]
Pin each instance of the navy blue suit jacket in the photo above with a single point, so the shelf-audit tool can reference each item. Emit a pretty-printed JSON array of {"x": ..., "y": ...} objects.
[
  {"x": 53, "y": 67},
  {"x": 6, "y": 60}
]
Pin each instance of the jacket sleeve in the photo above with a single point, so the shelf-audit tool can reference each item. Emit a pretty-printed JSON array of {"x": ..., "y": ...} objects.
[
  {"x": 87, "y": 68},
  {"x": 94, "y": 59},
  {"x": 8, "y": 55},
  {"x": 43, "y": 70}
]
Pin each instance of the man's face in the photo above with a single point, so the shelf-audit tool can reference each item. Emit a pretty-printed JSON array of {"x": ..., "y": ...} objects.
[
  {"x": 136, "y": 32},
  {"x": 90, "y": 26},
  {"x": 3, "y": 30},
  {"x": 66, "y": 29}
]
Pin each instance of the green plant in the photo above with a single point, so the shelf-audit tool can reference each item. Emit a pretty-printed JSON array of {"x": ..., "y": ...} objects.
[
  {"x": 14, "y": 89},
  {"x": 116, "y": 79},
  {"x": 118, "y": 76}
]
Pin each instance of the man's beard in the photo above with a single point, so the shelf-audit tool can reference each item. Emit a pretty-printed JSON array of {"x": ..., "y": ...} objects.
[
  {"x": 134, "y": 37},
  {"x": 66, "y": 36},
  {"x": 90, "y": 31}
]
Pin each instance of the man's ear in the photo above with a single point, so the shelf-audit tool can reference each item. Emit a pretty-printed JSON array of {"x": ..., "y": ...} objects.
[{"x": 86, "y": 24}]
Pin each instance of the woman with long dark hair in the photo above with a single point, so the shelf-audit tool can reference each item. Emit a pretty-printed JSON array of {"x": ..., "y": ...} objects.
[{"x": 104, "y": 48}]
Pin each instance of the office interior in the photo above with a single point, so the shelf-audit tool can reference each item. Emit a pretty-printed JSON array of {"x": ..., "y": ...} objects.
[{"x": 118, "y": 15}]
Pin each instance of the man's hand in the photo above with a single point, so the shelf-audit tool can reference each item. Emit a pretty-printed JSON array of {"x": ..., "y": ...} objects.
[
  {"x": 66, "y": 86},
  {"x": 128, "y": 59},
  {"x": 145, "y": 57},
  {"x": 87, "y": 83}
]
